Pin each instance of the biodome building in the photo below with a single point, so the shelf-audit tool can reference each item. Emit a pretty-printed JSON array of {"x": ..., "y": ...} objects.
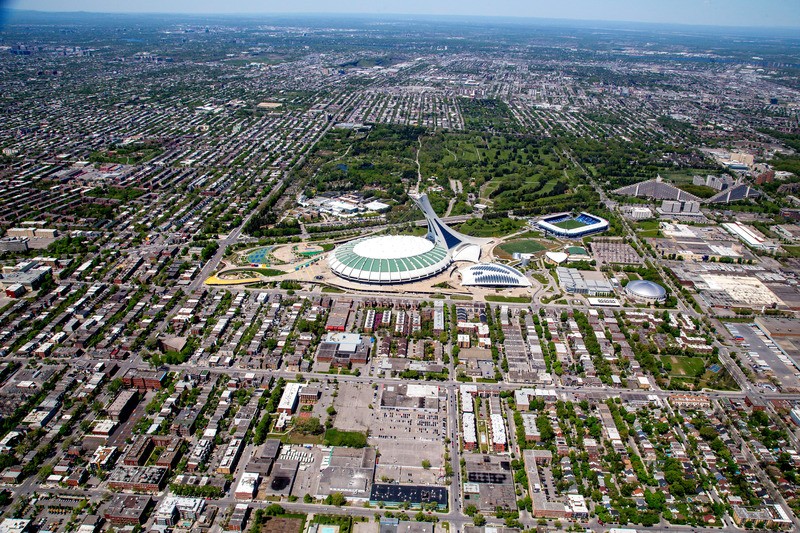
[
  {"x": 646, "y": 291},
  {"x": 389, "y": 259}
]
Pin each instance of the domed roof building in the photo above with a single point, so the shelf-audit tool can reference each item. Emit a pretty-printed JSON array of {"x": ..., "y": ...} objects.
[
  {"x": 493, "y": 275},
  {"x": 645, "y": 291},
  {"x": 389, "y": 259}
]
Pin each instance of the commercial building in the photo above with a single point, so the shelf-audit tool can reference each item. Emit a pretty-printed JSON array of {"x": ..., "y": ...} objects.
[
  {"x": 172, "y": 509},
  {"x": 349, "y": 471},
  {"x": 128, "y": 509},
  {"x": 339, "y": 315},
  {"x": 247, "y": 487},
  {"x": 468, "y": 433},
  {"x": 751, "y": 236},
  {"x": 393, "y": 495},
  {"x": 15, "y": 525},
  {"x": 770, "y": 516},
  {"x": 14, "y": 244},
  {"x": 138, "y": 478},
  {"x": 123, "y": 405},
  {"x": 541, "y": 504},
  {"x": 681, "y": 208},
  {"x": 410, "y": 397},
  {"x": 144, "y": 380},
  {"x": 289, "y": 398},
  {"x": 637, "y": 212},
  {"x": 589, "y": 283},
  {"x": 344, "y": 349}
]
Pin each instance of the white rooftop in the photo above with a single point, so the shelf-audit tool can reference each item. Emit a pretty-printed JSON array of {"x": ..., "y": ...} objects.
[{"x": 393, "y": 247}]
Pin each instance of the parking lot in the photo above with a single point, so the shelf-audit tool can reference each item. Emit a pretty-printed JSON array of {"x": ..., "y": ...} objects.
[
  {"x": 762, "y": 355},
  {"x": 352, "y": 406},
  {"x": 404, "y": 437}
]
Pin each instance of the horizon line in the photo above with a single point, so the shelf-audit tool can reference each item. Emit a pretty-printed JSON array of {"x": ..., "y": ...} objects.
[{"x": 506, "y": 18}]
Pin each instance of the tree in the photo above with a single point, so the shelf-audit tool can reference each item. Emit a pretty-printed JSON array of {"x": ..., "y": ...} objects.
[
  {"x": 309, "y": 426},
  {"x": 274, "y": 510},
  {"x": 479, "y": 520},
  {"x": 115, "y": 385},
  {"x": 426, "y": 464},
  {"x": 307, "y": 498},
  {"x": 338, "y": 499}
]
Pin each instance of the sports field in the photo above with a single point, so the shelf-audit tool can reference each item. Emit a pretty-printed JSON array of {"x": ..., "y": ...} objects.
[
  {"x": 685, "y": 366},
  {"x": 569, "y": 224}
]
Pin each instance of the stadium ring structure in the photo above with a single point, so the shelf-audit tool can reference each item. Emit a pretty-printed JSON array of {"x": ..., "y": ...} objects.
[
  {"x": 389, "y": 259},
  {"x": 647, "y": 291},
  {"x": 587, "y": 224},
  {"x": 493, "y": 275}
]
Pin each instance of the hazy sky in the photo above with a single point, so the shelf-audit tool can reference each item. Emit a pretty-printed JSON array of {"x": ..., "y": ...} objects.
[{"x": 711, "y": 12}]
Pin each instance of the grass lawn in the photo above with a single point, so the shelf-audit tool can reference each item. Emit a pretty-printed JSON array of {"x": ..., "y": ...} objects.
[
  {"x": 295, "y": 437},
  {"x": 335, "y": 290},
  {"x": 569, "y": 224},
  {"x": 526, "y": 246},
  {"x": 508, "y": 299},
  {"x": 495, "y": 227},
  {"x": 698, "y": 190},
  {"x": 647, "y": 225},
  {"x": 262, "y": 271},
  {"x": 541, "y": 278},
  {"x": 685, "y": 366},
  {"x": 531, "y": 235},
  {"x": 722, "y": 380},
  {"x": 794, "y": 251},
  {"x": 270, "y": 272}
]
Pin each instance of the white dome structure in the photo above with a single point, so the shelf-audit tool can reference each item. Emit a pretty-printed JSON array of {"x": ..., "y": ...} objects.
[
  {"x": 645, "y": 291},
  {"x": 493, "y": 275},
  {"x": 391, "y": 259}
]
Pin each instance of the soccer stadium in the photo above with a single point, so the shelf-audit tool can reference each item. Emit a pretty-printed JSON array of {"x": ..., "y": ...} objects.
[
  {"x": 572, "y": 226},
  {"x": 389, "y": 259}
]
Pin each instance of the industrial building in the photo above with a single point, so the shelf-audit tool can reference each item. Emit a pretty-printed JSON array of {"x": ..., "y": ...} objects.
[
  {"x": 589, "y": 283},
  {"x": 751, "y": 237}
]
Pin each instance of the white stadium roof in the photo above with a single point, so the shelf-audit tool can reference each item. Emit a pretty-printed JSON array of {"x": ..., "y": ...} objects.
[
  {"x": 493, "y": 275},
  {"x": 389, "y": 259},
  {"x": 393, "y": 247}
]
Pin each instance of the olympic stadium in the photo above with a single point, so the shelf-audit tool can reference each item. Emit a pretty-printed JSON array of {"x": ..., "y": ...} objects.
[
  {"x": 390, "y": 259},
  {"x": 570, "y": 226}
]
